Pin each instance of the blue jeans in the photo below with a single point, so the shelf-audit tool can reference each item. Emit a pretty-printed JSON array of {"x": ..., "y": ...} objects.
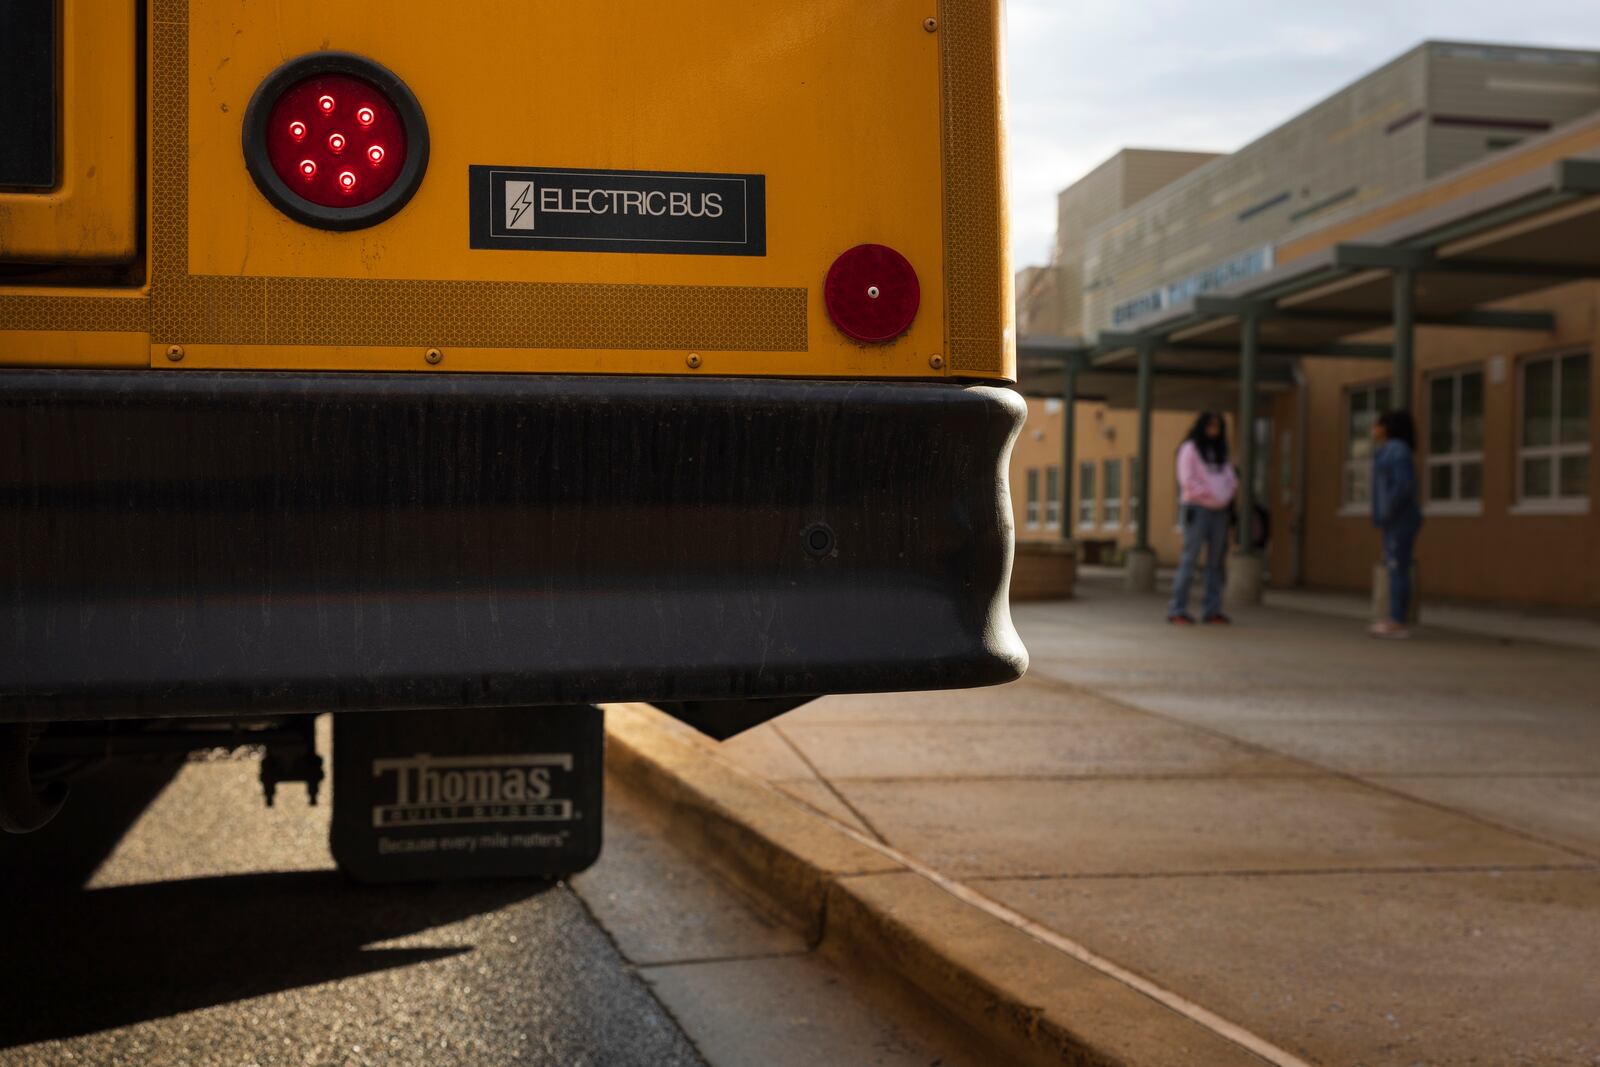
[
  {"x": 1202, "y": 527},
  {"x": 1398, "y": 542}
]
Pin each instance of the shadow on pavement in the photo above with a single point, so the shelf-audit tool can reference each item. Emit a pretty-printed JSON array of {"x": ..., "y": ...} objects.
[
  {"x": 80, "y": 961},
  {"x": 98, "y": 812}
]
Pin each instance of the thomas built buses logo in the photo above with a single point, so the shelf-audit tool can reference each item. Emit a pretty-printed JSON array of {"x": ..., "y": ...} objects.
[{"x": 445, "y": 790}]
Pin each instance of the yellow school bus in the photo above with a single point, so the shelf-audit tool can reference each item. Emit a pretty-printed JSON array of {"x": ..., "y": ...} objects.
[{"x": 405, "y": 356}]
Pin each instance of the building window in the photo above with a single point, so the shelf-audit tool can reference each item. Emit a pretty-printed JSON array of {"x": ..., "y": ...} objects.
[
  {"x": 1455, "y": 438},
  {"x": 1363, "y": 405},
  {"x": 1286, "y": 465},
  {"x": 1553, "y": 461},
  {"x": 1032, "y": 518},
  {"x": 1111, "y": 501},
  {"x": 1052, "y": 497},
  {"x": 1263, "y": 454},
  {"x": 1086, "y": 494},
  {"x": 1133, "y": 490}
]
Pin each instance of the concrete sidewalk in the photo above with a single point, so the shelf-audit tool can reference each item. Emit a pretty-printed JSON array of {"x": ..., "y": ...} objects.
[
  {"x": 1580, "y": 629},
  {"x": 1361, "y": 852},
  {"x": 1554, "y": 626}
]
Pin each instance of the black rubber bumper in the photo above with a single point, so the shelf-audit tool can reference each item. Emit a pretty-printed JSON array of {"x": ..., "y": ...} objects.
[{"x": 234, "y": 543}]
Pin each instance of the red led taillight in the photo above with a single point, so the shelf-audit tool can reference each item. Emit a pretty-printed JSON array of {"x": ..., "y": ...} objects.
[
  {"x": 872, "y": 293},
  {"x": 326, "y": 110},
  {"x": 335, "y": 140}
]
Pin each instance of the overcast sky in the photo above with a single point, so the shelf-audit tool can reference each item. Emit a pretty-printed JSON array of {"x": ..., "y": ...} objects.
[{"x": 1088, "y": 77}]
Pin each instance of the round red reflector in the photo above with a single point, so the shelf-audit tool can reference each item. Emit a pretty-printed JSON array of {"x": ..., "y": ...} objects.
[
  {"x": 872, "y": 293},
  {"x": 302, "y": 105}
]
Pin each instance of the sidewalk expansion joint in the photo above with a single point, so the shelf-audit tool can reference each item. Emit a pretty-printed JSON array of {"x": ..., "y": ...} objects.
[
  {"x": 657, "y": 965},
  {"x": 1313, "y": 872},
  {"x": 793, "y": 850},
  {"x": 611, "y": 939},
  {"x": 1508, "y": 775},
  {"x": 897, "y": 779},
  {"x": 1167, "y": 998},
  {"x": 828, "y": 783},
  {"x": 1368, "y": 779}
]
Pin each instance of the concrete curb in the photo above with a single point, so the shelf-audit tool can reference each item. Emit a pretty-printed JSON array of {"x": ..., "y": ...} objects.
[
  {"x": 773, "y": 848},
  {"x": 1035, "y": 1002}
]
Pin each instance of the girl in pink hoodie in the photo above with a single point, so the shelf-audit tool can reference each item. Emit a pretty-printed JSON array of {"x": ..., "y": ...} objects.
[{"x": 1207, "y": 482}]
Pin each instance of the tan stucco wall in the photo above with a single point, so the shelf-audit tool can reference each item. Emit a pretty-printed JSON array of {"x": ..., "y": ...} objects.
[
  {"x": 1283, "y": 487},
  {"x": 1102, "y": 433},
  {"x": 1499, "y": 555},
  {"x": 1496, "y": 556}
]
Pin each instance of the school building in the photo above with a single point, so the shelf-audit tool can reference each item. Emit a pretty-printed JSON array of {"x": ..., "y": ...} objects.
[{"x": 1427, "y": 238}]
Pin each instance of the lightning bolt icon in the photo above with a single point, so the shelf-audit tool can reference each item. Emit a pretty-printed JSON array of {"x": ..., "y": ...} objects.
[{"x": 520, "y": 205}]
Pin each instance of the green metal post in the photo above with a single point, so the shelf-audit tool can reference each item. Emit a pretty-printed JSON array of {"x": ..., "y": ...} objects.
[
  {"x": 1147, "y": 369},
  {"x": 1405, "y": 328},
  {"x": 1069, "y": 430},
  {"x": 1245, "y": 431}
]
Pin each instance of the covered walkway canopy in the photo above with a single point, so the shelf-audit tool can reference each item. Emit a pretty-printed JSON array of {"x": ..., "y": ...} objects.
[{"x": 1438, "y": 258}]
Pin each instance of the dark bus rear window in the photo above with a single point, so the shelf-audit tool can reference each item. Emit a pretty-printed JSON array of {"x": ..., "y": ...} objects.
[{"x": 29, "y": 117}]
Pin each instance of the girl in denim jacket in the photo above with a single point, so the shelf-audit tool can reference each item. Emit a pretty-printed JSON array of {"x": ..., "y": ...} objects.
[{"x": 1395, "y": 511}]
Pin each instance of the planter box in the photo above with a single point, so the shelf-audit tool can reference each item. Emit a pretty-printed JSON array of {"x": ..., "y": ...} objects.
[{"x": 1044, "y": 570}]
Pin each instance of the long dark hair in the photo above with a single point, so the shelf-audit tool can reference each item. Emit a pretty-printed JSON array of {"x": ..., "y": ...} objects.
[
  {"x": 1398, "y": 426},
  {"x": 1214, "y": 450}
]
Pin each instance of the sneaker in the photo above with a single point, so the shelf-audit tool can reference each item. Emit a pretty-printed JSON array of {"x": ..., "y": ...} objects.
[
  {"x": 1219, "y": 619},
  {"x": 1389, "y": 630},
  {"x": 1180, "y": 620}
]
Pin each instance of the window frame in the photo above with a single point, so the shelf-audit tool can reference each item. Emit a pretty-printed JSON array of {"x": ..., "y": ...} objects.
[
  {"x": 1347, "y": 506},
  {"x": 1052, "y": 498},
  {"x": 1263, "y": 460},
  {"x": 1555, "y": 504},
  {"x": 1030, "y": 514},
  {"x": 1133, "y": 491},
  {"x": 1086, "y": 495},
  {"x": 1111, "y": 506},
  {"x": 1455, "y": 504}
]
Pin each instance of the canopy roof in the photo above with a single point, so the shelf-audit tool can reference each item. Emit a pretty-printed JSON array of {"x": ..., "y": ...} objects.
[{"x": 1519, "y": 222}]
